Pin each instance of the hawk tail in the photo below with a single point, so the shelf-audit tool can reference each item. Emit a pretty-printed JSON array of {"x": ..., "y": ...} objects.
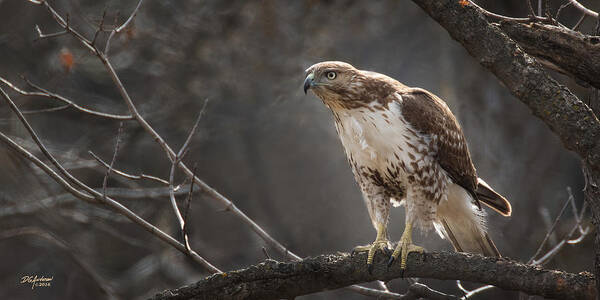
[
  {"x": 492, "y": 199},
  {"x": 463, "y": 224}
]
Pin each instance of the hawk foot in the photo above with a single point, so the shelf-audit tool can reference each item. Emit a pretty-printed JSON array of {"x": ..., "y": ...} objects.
[
  {"x": 405, "y": 246},
  {"x": 378, "y": 244}
]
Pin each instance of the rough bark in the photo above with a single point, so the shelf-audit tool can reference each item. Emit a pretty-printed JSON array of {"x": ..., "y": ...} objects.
[
  {"x": 573, "y": 52},
  {"x": 568, "y": 117},
  {"x": 275, "y": 280}
]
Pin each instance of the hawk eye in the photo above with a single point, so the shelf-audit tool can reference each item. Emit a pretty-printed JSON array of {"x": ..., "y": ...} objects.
[{"x": 331, "y": 75}]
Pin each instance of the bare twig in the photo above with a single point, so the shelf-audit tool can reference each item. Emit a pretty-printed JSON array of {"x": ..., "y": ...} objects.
[
  {"x": 566, "y": 240},
  {"x": 27, "y": 155},
  {"x": 188, "y": 202},
  {"x": 49, "y": 35},
  {"x": 383, "y": 286},
  {"x": 267, "y": 256},
  {"x": 530, "y": 6},
  {"x": 471, "y": 293},
  {"x": 543, "y": 243},
  {"x": 583, "y": 9},
  {"x": 120, "y": 28},
  {"x": 579, "y": 22},
  {"x": 130, "y": 176},
  {"x": 178, "y": 158},
  {"x": 68, "y": 103},
  {"x": 100, "y": 27},
  {"x": 560, "y": 10},
  {"x": 44, "y": 110},
  {"x": 31, "y": 207},
  {"x": 498, "y": 16},
  {"x": 112, "y": 162}
]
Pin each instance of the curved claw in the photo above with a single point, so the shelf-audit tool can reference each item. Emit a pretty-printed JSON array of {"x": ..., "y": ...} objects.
[
  {"x": 371, "y": 250},
  {"x": 391, "y": 261},
  {"x": 403, "y": 249}
]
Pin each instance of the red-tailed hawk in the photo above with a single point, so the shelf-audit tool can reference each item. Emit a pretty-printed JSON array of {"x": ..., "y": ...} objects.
[{"x": 405, "y": 146}]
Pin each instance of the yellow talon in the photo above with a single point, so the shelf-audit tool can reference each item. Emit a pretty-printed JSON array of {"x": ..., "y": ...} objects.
[
  {"x": 381, "y": 242},
  {"x": 405, "y": 246}
]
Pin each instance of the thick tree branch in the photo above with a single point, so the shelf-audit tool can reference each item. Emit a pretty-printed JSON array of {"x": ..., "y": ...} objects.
[
  {"x": 275, "y": 280},
  {"x": 576, "y": 53}
]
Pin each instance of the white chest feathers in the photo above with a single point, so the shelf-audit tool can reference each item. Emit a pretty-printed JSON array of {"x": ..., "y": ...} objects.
[{"x": 377, "y": 138}]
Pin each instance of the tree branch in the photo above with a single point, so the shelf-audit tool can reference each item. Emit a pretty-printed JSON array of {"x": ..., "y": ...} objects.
[
  {"x": 583, "y": 9},
  {"x": 576, "y": 53},
  {"x": 275, "y": 280}
]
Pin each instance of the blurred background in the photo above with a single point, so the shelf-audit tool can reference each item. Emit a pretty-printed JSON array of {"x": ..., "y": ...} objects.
[{"x": 262, "y": 143}]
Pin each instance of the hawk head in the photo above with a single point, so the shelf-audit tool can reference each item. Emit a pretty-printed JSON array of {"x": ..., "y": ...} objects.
[{"x": 339, "y": 84}]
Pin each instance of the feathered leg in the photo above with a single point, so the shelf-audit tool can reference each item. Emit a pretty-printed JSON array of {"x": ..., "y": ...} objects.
[
  {"x": 379, "y": 208},
  {"x": 405, "y": 246}
]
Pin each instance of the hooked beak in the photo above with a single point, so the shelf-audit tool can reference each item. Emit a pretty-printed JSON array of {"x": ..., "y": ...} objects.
[{"x": 308, "y": 82}]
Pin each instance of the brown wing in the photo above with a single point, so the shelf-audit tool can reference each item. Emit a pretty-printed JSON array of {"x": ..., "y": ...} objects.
[{"x": 431, "y": 116}]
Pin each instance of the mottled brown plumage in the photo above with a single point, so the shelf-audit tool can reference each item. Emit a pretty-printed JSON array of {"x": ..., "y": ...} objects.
[
  {"x": 404, "y": 144},
  {"x": 431, "y": 116}
]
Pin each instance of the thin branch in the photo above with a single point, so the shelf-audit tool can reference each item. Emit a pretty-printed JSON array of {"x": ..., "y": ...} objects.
[
  {"x": 560, "y": 10},
  {"x": 497, "y": 16},
  {"x": 114, "y": 158},
  {"x": 120, "y": 28},
  {"x": 556, "y": 220},
  {"x": 49, "y": 35},
  {"x": 188, "y": 203},
  {"x": 32, "y": 207},
  {"x": 383, "y": 286},
  {"x": 127, "y": 175},
  {"x": 61, "y": 181},
  {"x": 583, "y": 9},
  {"x": 68, "y": 103},
  {"x": 100, "y": 27},
  {"x": 579, "y": 22},
  {"x": 530, "y": 6},
  {"x": 566, "y": 240},
  {"x": 179, "y": 157},
  {"x": 44, "y": 110},
  {"x": 471, "y": 293}
]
